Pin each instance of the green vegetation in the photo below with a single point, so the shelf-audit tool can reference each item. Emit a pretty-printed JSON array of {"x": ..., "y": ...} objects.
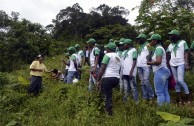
[{"x": 66, "y": 104}]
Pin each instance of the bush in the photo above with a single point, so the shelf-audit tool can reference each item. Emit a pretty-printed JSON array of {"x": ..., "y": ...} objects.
[{"x": 3, "y": 79}]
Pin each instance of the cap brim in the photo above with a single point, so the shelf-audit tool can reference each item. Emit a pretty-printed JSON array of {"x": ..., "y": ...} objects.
[{"x": 149, "y": 39}]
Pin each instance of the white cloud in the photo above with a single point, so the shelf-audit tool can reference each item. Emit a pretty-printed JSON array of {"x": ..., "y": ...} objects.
[{"x": 43, "y": 11}]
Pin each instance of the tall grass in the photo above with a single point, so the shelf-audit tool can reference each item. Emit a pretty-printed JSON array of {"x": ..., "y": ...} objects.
[{"x": 62, "y": 104}]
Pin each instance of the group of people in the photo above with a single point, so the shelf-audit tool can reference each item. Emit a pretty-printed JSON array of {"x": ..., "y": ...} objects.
[{"x": 121, "y": 62}]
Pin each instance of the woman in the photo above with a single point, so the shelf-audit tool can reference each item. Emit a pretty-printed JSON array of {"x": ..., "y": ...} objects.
[
  {"x": 161, "y": 72},
  {"x": 36, "y": 70},
  {"x": 109, "y": 75}
]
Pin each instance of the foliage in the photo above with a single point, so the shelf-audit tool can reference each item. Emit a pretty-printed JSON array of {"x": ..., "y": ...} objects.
[
  {"x": 72, "y": 22},
  {"x": 72, "y": 104},
  {"x": 161, "y": 16},
  {"x": 113, "y": 31},
  {"x": 174, "y": 120}
]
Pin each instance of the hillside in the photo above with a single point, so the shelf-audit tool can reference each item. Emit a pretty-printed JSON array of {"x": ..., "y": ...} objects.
[{"x": 62, "y": 104}]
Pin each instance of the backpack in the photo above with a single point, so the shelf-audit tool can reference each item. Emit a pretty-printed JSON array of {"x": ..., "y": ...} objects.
[{"x": 101, "y": 55}]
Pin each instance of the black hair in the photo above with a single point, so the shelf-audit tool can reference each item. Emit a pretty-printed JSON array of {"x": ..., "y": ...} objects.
[{"x": 55, "y": 71}]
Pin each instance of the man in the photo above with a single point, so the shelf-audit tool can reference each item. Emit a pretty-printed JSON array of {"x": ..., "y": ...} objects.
[
  {"x": 94, "y": 58},
  {"x": 144, "y": 70},
  {"x": 36, "y": 70},
  {"x": 73, "y": 65},
  {"x": 130, "y": 70},
  {"x": 80, "y": 56},
  {"x": 109, "y": 75},
  {"x": 121, "y": 52},
  {"x": 178, "y": 62},
  {"x": 86, "y": 53}
]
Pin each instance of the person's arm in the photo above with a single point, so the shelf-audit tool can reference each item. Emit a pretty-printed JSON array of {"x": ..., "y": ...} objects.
[
  {"x": 96, "y": 52},
  {"x": 134, "y": 56},
  {"x": 33, "y": 67},
  {"x": 159, "y": 54},
  {"x": 66, "y": 63},
  {"x": 105, "y": 62},
  {"x": 186, "y": 55}
]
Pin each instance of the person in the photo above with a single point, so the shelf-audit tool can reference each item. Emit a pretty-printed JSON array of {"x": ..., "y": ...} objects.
[
  {"x": 36, "y": 70},
  {"x": 67, "y": 55},
  {"x": 55, "y": 74},
  {"x": 192, "y": 56},
  {"x": 130, "y": 70},
  {"x": 73, "y": 65},
  {"x": 94, "y": 66},
  {"x": 120, "y": 51},
  {"x": 178, "y": 62},
  {"x": 109, "y": 75},
  {"x": 86, "y": 52},
  {"x": 160, "y": 69},
  {"x": 144, "y": 70},
  {"x": 80, "y": 57}
]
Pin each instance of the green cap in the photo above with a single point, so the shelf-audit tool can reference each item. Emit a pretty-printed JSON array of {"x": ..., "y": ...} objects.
[
  {"x": 111, "y": 40},
  {"x": 141, "y": 36},
  {"x": 174, "y": 32},
  {"x": 155, "y": 37},
  {"x": 91, "y": 40},
  {"x": 77, "y": 46},
  {"x": 110, "y": 45},
  {"x": 116, "y": 41},
  {"x": 122, "y": 40},
  {"x": 127, "y": 41},
  {"x": 71, "y": 49}
]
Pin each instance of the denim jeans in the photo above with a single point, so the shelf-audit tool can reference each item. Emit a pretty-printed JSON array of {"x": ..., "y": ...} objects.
[
  {"x": 71, "y": 75},
  {"x": 106, "y": 88},
  {"x": 144, "y": 76},
  {"x": 121, "y": 80},
  {"x": 178, "y": 74},
  {"x": 161, "y": 77},
  {"x": 130, "y": 84},
  {"x": 92, "y": 79}
]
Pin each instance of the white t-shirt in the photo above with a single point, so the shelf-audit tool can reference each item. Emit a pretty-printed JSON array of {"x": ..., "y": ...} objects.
[
  {"x": 113, "y": 62},
  {"x": 92, "y": 56},
  {"x": 79, "y": 56},
  {"x": 87, "y": 53},
  {"x": 142, "y": 57},
  {"x": 128, "y": 62},
  {"x": 177, "y": 57},
  {"x": 72, "y": 66},
  {"x": 163, "y": 63}
]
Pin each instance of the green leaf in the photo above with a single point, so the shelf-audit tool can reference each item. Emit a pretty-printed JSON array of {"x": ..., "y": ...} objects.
[
  {"x": 168, "y": 117},
  {"x": 170, "y": 123},
  {"x": 186, "y": 120},
  {"x": 162, "y": 124},
  {"x": 12, "y": 123},
  {"x": 23, "y": 80}
]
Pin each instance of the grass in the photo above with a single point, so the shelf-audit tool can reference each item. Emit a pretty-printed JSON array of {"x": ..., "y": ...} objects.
[{"x": 71, "y": 105}]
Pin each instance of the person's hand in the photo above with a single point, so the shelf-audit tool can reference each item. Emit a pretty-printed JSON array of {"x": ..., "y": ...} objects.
[
  {"x": 93, "y": 70},
  {"x": 98, "y": 86},
  {"x": 40, "y": 70},
  {"x": 187, "y": 67},
  {"x": 130, "y": 75}
]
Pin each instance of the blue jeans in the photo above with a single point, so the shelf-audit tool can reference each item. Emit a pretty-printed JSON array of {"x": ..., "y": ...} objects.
[
  {"x": 92, "y": 79},
  {"x": 121, "y": 80},
  {"x": 130, "y": 84},
  {"x": 144, "y": 76},
  {"x": 178, "y": 73},
  {"x": 161, "y": 77},
  {"x": 71, "y": 75}
]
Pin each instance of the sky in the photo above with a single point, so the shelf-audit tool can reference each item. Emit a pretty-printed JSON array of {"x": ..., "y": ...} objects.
[{"x": 43, "y": 11}]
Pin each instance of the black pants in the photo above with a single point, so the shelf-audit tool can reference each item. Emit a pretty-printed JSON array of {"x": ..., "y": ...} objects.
[
  {"x": 106, "y": 89},
  {"x": 35, "y": 85},
  {"x": 87, "y": 61}
]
